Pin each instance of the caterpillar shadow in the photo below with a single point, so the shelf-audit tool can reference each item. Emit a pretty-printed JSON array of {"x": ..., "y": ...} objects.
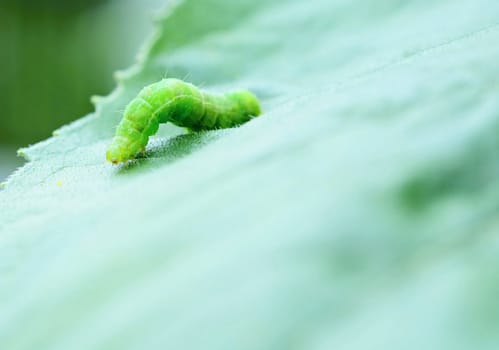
[{"x": 161, "y": 151}]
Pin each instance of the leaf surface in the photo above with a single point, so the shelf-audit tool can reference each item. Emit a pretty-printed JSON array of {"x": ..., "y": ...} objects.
[{"x": 360, "y": 211}]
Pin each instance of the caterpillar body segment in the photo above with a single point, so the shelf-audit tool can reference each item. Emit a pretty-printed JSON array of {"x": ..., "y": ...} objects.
[{"x": 183, "y": 104}]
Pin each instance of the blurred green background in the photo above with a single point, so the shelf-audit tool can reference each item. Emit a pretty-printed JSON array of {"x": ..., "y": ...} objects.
[{"x": 54, "y": 55}]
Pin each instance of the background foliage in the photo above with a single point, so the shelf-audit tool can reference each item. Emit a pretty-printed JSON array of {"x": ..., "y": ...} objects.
[
  {"x": 55, "y": 54},
  {"x": 360, "y": 211}
]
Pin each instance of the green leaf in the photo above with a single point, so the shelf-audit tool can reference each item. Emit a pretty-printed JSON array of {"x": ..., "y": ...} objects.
[{"x": 359, "y": 212}]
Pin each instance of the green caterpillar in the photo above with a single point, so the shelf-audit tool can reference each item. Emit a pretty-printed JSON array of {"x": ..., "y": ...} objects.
[{"x": 183, "y": 104}]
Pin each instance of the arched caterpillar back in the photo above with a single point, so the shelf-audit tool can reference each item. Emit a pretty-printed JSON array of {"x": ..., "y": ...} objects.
[{"x": 183, "y": 104}]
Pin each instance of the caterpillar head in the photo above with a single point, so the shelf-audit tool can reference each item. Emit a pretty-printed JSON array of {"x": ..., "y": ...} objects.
[
  {"x": 123, "y": 149},
  {"x": 247, "y": 101}
]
